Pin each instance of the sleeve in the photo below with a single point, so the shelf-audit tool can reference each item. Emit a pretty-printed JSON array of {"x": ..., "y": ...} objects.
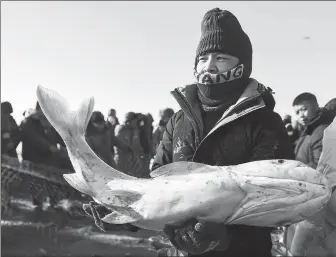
[
  {"x": 156, "y": 137},
  {"x": 316, "y": 146},
  {"x": 164, "y": 152},
  {"x": 270, "y": 139}
]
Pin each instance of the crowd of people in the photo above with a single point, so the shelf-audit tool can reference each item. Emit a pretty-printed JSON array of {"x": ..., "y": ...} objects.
[
  {"x": 129, "y": 147},
  {"x": 226, "y": 118}
]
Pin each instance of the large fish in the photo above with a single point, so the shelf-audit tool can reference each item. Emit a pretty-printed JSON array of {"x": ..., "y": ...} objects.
[{"x": 262, "y": 193}]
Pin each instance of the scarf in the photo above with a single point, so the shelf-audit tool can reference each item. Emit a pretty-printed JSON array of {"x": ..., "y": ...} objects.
[{"x": 221, "y": 90}]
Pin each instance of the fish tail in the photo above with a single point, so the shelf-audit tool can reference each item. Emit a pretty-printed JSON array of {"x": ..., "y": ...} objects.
[{"x": 66, "y": 121}]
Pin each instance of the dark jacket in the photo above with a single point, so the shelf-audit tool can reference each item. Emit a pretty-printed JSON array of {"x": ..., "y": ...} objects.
[
  {"x": 248, "y": 131},
  {"x": 309, "y": 146},
  {"x": 131, "y": 162},
  {"x": 36, "y": 142},
  {"x": 158, "y": 134},
  {"x": 10, "y": 135},
  {"x": 103, "y": 143}
]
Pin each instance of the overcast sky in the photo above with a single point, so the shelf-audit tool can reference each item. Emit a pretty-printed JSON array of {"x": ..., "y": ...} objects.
[{"x": 130, "y": 55}]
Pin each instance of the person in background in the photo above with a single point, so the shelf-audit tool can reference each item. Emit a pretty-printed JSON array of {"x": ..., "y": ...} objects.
[
  {"x": 165, "y": 115},
  {"x": 112, "y": 120},
  {"x": 39, "y": 146},
  {"x": 144, "y": 123},
  {"x": 150, "y": 133},
  {"x": 10, "y": 133},
  {"x": 130, "y": 162},
  {"x": 101, "y": 140},
  {"x": 314, "y": 120},
  {"x": 292, "y": 132},
  {"x": 98, "y": 136},
  {"x": 331, "y": 106}
]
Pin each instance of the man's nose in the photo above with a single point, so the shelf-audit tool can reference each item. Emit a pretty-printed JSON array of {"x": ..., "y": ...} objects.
[{"x": 210, "y": 66}]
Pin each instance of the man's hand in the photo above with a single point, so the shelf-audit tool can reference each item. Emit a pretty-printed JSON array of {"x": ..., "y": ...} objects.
[{"x": 198, "y": 237}]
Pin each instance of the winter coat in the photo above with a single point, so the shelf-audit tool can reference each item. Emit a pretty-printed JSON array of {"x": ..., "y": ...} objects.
[
  {"x": 103, "y": 143},
  {"x": 36, "y": 141},
  {"x": 309, "y": 146},
  {"x": 158, "y": 134},
  {"x": 306, "y": 238},
  {"x": 130, "y": 162},
  {"x": 10, "y": 135},
  {"x": 248, "y": 131}
]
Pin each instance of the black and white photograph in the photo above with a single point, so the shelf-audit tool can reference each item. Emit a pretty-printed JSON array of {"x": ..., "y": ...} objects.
[{"x": 168, "y": 128}]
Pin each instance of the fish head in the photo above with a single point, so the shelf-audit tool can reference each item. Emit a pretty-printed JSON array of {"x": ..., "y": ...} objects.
[{"x": 287, "y": 164}]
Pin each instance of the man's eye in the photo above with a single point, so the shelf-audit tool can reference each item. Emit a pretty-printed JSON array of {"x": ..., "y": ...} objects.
[
  {"x": 202, "y": 59},
  {"x": 221, "y": 58}
]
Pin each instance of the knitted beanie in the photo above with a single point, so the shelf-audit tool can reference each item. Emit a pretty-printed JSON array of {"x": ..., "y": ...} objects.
[{"x": 222, "y": 32}]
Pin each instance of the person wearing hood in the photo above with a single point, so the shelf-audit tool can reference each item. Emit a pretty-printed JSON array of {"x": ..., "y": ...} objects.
[
  {"x": 165, "y": 115},
  {"x": 226, "y": 118},
  {"x": 314, "y": 121},
  {"x": 10, "y": 133}
]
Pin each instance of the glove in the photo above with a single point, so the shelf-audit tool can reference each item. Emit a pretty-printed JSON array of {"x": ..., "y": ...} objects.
[
  {"x": 98, "y": 211},
  {"x": 198, "y": 237}
]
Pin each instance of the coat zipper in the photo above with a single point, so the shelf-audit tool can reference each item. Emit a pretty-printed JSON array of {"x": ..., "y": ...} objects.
[{"x": 229, "y": 120}]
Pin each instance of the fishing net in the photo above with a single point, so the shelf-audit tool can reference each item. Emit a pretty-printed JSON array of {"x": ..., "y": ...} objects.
[{"x": 22, "y": 179}]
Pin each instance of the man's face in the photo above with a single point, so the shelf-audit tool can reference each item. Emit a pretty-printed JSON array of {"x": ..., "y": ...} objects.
[
  {"x": 216, "y": 63},
  {"x": 305, "y": 112}
]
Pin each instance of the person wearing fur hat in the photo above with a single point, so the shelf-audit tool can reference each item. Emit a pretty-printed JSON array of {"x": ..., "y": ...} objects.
[{"x": 226, "y": 118}]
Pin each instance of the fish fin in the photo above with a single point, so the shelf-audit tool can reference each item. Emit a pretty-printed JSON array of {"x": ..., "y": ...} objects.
[
  {"x": 64, "y": 120},
  {"x": 327, "y": 161},
  {"x": 79, "y": 184},
  {"x": 119, "y": 198},
  {"x": 122, "y": 216},
  {"x": 70, "y": 123},
  {"x": 180, "y": 168}
]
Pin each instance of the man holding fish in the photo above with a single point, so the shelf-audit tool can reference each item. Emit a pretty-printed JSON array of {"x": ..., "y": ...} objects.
[
  {"x": 219, "y": 182},
  {"x": 226, "y": 118}
]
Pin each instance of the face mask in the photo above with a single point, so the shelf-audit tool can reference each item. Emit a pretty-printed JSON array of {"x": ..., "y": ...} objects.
[{"x": 207, "y": 78}]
